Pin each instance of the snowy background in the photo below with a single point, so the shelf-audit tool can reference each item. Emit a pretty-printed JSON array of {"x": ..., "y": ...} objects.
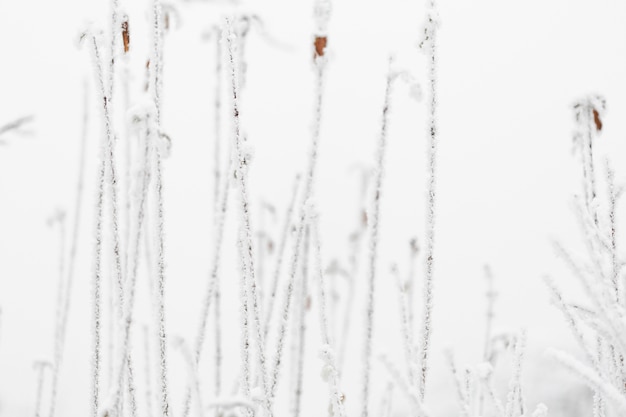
[{"x": 508, "y": 75}]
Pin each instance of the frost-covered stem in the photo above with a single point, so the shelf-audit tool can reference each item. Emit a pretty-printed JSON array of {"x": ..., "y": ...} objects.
[
  {"x": 125, "y": 358},
  {"x": 492, "y": 395},
  {"x": 409, "y": 390},
  {"x": 407, "y": 334},
  {"x": 514, "y": 397},
  {"x": 128, "y": 165},
  {"x": 112, "y": 54},
  {"x": 192, "y": 371},
  {"x": 590, "y": 161},
  {"x": 217, "y": 150},
  {"x": 97, "y": 277},
  {"x": 354, "y": 270},
  {"x": 58, "y": 330},
  {"x": 300, "y": 324},
  {"x": 612, "y": 224},
  {"x": 218, "y": 124},
  {"x": 320, "y": 64},
  {"x": 40, "y": 367},
  {"x": 218, "y": 340},
  {"x": 147, "y": 374},
  {"x": 280, "y": 255},
  {"x": 386, "y": 404},
  {"x": 591, "y": 378},
  {"x": 464, "y": 403},
  {"x": 410, "y": 284},
  {"x": 605, "y": 309},
  {"x": 156, "y": 63},
  {"x": 130, "y": 381},
  {"x": 110, "y": 161},
  {"x": 598, "y": 398},
  {"x": 424, "y": 344},
  {"x": 557, "y": 299},
  {"x": 246, "y": 237},
  {"x": 62, "y": 326},
  {"x": 212, "y": 292},
  {"x": 217, "y": 245},
  {"x": 111, "y": 325},
  {"x": 160, "y": 288},
  {"x": 156, "y": 84},
  {"x": 336, "y": 397},
  {"x": 96, "y": 295},
  {"x": 245, "y": 332},
  {"x": 373, "y": 225}
]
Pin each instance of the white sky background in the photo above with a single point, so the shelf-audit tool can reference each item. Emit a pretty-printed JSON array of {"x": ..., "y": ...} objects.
[{"x": 508, "y": 74}]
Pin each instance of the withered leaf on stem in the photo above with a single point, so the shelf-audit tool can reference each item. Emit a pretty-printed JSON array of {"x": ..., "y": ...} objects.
[
  {"x": 125, "y": 36},
  {"x": 596, "y": 120},
  {"x": 320, "y": 45}
]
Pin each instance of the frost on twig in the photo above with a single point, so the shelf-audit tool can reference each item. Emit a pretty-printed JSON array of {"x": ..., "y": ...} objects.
[
  {"x": 245, "y": 240},
  {"x": 429, "y": 43},
  {"x": 327, "y": 353}
]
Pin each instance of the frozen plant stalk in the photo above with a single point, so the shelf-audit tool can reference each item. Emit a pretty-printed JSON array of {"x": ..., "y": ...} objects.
[
  {"x": 322, "y": 13},
  {"x": 430, "y": 43},
  {"x": 245, "y": 240},
  {"x": 373, "y": 223}
]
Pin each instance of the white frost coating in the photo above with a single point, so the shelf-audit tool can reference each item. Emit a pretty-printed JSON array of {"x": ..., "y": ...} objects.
[
  {"x": 107, "y": 160},
  {"x": 591, "y": 378},
  {"x": 212, "y": 286},
  {"x": 484, "y": 370},
  {"x": 246, "y": 251},
  {"x": 540, "y": 411},
  {"x": 515, "y": 401},
  {"x": 330, "y": 374},
  {"x": 424, "y": 343},
  {"x": 408, "y": 390},
  {"x": 287, "y": 226},
  {"x": 407, "y": 332},
  {"x": 320, "y": 65},
  {"x": 132, "y": 270},
  {"x": 373, "y": 225}
]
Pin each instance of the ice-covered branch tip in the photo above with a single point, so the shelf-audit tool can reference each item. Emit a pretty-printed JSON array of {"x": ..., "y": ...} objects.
[
  {"x": 429, "y": 27},
  {"x": 590, "y": 377},
  {"x": 594, "y": 105},
  {"x": 322, "y": 12}
]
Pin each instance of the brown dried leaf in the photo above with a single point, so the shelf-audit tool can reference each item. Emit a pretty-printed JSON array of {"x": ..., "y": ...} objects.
[
  {"x": 125, "y": 36},
  {"x": 596, "y": 120},
  {"x": 320, "y": 45}
]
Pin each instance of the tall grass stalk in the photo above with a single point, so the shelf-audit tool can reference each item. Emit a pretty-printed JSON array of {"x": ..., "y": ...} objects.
[
  {"x": 328, "y": 353},
  {"x": 424, "y": 344},
  {"x": 246, "y": 251},
  {"x": 320, "y": 61},
  {"x": 211, "y": 294},
  {"x": 373, "y": 220},
  {"x": 40, "y": 369},
  {"x": 156, "y": 68},
  {"x": 280, "y": 255},
  {"x": 62, "y": 326},
  {"x": 299, "y": 339},
  {"x": 58, "y": 219},
  {"x": 124, "y": 359}
]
